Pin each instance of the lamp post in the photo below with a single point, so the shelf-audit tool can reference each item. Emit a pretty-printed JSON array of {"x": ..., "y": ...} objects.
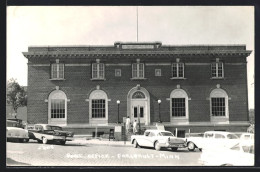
[
  {"x": 118, "y": 103},
  {"x": 159, "y": 102}
]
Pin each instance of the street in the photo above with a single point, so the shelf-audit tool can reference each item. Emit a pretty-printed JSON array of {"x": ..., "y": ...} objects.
[{"x": 85, "y": 154}]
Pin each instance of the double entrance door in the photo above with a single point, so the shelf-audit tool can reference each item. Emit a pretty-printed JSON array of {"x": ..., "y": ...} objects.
[{"x": 139, "y": 110}]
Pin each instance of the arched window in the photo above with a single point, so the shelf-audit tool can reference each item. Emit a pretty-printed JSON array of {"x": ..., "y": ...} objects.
[
  {"x": 98, "y": 105},
  {"x": 138, "y": 95},
  {"x": 218, "y": 103},
  {"x": 57, "y": 107},
  {"x": 179, "y": 104}
]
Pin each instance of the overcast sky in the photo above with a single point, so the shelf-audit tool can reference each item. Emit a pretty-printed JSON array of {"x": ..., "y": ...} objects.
[{"x": 170, "y": 25}]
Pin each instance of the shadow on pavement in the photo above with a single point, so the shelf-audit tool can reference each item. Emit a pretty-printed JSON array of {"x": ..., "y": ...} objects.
[{"x": 11, "y": 162}]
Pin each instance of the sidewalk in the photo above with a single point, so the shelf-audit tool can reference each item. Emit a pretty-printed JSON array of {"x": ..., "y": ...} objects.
[{"x": 95, "y": 141}]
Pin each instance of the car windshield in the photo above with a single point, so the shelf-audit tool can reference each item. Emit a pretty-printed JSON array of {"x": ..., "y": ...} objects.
[
  {"x": 166, "y": 134},
  {"x": 53, "y": 128}
]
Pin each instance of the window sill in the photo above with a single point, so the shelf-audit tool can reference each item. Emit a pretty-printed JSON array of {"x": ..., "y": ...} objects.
[
  {"x": 217, "y": 78},
  {"x": 57, "y": 79},
  {"x": 138, "y": 78},
  {"x": 98, "y": 79},
  {"x": 176, "y": 78}
]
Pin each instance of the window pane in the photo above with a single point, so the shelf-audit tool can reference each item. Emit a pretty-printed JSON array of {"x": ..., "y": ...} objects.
[
  {"x": 178, "y": 107},
  {"x": 54, "y": 71},
  {"x": 141, "y": 70},
  {"x": 220, "y": 69},
  {"x": 94, "y": 70},
  {"x": 218, "y": 106},
  {"x": 134, "y": 70},
  {"x": 101, "y": 70},
  {"x": 213, "y": 70},
  {"x": 61, "y": 71},
  {"x": 98, "y": 108},
  {"x": 174, "y": 70},
  {"x": 57, "y": 108},
  {"x": 181, "y": 70}
]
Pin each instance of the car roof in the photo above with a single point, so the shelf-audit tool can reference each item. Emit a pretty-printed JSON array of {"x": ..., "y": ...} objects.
[
  {"x": 154, "y": 130},
  {"x": 219, "y": 132}
]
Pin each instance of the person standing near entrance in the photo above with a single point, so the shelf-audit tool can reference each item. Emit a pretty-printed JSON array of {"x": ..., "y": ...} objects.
[
  {"x": 135, "y": 127},
  {"x": 127, "y": 123}
]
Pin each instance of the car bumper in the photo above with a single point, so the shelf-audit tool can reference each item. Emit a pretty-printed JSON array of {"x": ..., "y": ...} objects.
[
  {"x": 17, "y": 137},
  {"x": 171, "y": 145},
  {"x": 58, "y": 138}
]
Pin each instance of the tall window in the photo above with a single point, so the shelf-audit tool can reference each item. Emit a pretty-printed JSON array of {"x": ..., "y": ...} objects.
[
  {"x": 138, "y": 70},
  {"x": 98, "y": 105},
  {"x": 217, "y": 70},
  {"x": 98, "y": 108},
  {"x": 98, "y": 71},
  {"x": 178, "y": 107},
  {"x": 57, "y": 71},
  {"x": 57, "y": 105},
  {"x": 177, "y": 70},
  {"x": 179, "y": 104},
  {"x": 219, "y": 103},
  {"x": 58, "y": 108}
]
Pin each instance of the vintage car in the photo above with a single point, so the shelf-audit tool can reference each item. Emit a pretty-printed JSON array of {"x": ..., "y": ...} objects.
[
  {"x": 45, "y": 133},
  {"x": 212, "y": 139},
  {"x": 158, "y": 139},
  {"x": 15, "y": 132},
  {"x": 241, "y": 154}
]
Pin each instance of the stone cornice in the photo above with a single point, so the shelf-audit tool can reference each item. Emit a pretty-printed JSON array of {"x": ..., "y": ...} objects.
[{"x": 86, "y": 54}]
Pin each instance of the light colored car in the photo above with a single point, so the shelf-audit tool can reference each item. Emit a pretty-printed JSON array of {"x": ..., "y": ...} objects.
[
  {"x": 212, "y": 139},
  {"x": 14, "y": 132},
  {"x": 241, "y": 154},
  {"x": 45, "y": 133},
  {"x": 158, "y": 139},
  {"x": 247, "y": 136}
]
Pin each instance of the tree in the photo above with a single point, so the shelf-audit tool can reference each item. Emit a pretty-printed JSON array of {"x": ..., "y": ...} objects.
[{"x": 15, "y": 95}]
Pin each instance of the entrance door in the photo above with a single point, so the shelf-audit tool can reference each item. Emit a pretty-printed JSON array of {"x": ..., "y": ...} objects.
[{"x": 139, "y": 109}]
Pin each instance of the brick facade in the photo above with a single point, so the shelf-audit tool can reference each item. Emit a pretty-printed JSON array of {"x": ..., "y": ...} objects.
[{"x": 197, "y": 81}]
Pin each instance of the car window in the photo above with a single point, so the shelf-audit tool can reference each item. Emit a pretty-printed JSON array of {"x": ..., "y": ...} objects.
[
  {"x": 151, "y": 134},
  {"x": 219, "y": 136},
  {"x": 166, "y": 134},
  {"x": 246, "y": 137},
  {"x": 236, "y": 147},
  {"x": 209, "y": 135},
  {"x": 146, "y": 133},
  {"x": 248, "y": 149},
  {"x": 232, "y": 136},
  {"x": 38, "y": 127},
  {"x": 55, "y": 128}
]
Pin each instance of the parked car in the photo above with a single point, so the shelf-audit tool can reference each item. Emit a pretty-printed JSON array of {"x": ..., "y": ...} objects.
[
  {"x": 45, "y": 133},
  {"x": 158, "y": 139},
  {"x": 241, "y": 154},
  {"x": 15, "y": 132},
  {"x": 247, "y": 136},
  {"x": 212, "y": 139}
]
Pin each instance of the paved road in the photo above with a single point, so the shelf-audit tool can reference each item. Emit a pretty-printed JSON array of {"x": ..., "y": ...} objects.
[{"x": 76, "y": 154}]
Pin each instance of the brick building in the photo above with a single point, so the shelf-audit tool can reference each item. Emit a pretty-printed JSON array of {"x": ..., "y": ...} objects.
[{"x": 200, "y": 87}]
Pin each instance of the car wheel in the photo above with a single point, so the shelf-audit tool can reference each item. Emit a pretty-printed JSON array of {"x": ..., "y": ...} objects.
[
  {"x": 44, "y": 140},
  {"x": 174, "y": 149},
  {"x": 157, "y": 146},
  {"x": 191, "y": 146},
  {"x": 135, "y": 144},
  {"x": 63, "y": 142}
]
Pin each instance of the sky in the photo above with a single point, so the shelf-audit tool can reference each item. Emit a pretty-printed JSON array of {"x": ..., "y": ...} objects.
[{"x": 104, "y": 25}]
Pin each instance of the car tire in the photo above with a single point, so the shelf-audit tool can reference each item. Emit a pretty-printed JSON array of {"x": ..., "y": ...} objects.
[
  {"x": 135, "y": 144},
  {"x": 191, "y": 146},
  {"x": 157, "y": 146},
  {"x": 63, "y": 142},
  {"x": 44, "y": 140},
  {"x": 174, "y": 149}
]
